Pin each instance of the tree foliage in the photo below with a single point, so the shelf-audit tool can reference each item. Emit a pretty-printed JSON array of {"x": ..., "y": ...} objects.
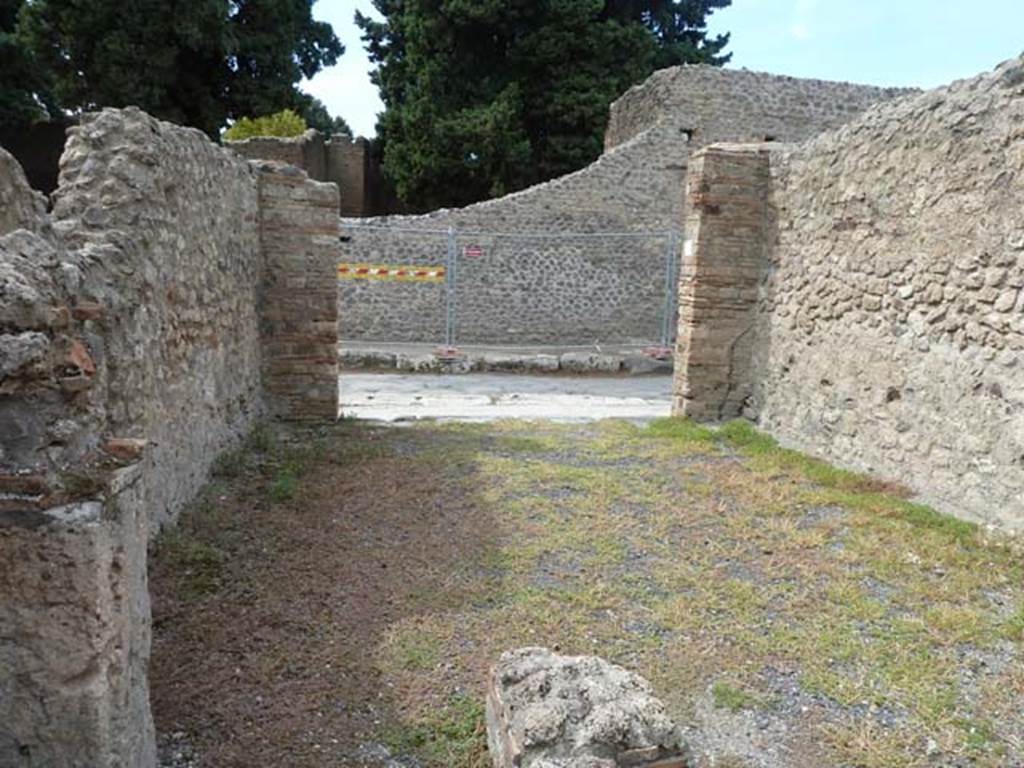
[
  {"x": 316, "y": 115},
  {"x": 198, "y": 63},
  {"x": 679, "y": 28},
  {"x": 483, "y": 97},
  {"x": 24, "y": 88},
  {"x": 285, "y": 123}
]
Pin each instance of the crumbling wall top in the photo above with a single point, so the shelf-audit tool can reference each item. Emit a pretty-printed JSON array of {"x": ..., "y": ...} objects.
[{"x": 720, "y": 104}]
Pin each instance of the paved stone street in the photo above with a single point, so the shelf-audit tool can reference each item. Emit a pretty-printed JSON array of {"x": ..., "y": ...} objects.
[{"x": 492, "y": 396}]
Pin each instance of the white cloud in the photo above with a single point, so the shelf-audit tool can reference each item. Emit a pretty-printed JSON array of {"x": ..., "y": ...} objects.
[{"x": 800, "y": 29}]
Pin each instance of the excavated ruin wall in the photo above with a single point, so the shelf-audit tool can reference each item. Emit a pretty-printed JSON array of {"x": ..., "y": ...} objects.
[
  {"x": 166, "y": 227},
  {"x": 737, "y": 105},
  {"x": 130, "y": 358},
  {"x": 537, "y": 285},
  {"x": 862, "y": 295},
  {"x": 144, "y": 327},
  {"x": 892, "y": 325}
]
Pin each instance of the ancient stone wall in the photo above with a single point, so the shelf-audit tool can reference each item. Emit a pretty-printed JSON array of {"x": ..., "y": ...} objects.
[
  {"x": 306, "y": 151},
  {"x": 889, "y": 326},
  {"x": 131, "y": 354},
  {"x": 722, "y": 105},
  {"x": 542, "y": 277},
  {"x": 166, "y": 223},
  {"x": 536, "y": 287},
  {"x": 348, "y": 163},
  {"x": 74, "y": 632}
]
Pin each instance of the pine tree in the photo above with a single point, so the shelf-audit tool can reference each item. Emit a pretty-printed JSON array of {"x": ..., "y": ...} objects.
[
  {"x": 197, "y": 63},
  {"x": 25, "y": 90},
  {"x": 484, "y": 97}
]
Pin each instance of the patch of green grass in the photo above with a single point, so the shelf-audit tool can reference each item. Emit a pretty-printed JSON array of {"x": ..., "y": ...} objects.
[
  {"x": 229, "y": 464},
  {"x": 454, "y": 735},
  {"x": 727, "y": 696},
  {"x": 414, "y": 650},
  {"x": 198, "y": 564},
  {"x": 849, "y": 489},
  {"x": 926, "y": 517},
  {"x": 953, "y": 624},
  {"x": 979, "y": 737},
  {"x": 681, "y": 429},
  {"x": 285, "y": 483},
  {"x": 742, "y": 434},
  {"x": 1013, "y": 627},
  {"x": 526, "y": 444}
]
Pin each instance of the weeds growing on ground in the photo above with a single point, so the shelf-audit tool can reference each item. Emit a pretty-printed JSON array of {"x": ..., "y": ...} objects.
[{"x": 739, "y": 577}]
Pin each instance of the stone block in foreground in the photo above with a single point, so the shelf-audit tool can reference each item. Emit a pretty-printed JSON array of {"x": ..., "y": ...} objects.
[{"x": 545, "y": 710}]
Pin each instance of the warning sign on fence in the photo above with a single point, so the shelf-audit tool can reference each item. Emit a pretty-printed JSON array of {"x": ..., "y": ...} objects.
[
  {"x": 387, "y": 272},
  {"x": 473, "y": 251}
]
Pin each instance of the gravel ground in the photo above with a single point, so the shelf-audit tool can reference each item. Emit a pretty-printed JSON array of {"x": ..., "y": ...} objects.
[{"x": 335, "y": 598}]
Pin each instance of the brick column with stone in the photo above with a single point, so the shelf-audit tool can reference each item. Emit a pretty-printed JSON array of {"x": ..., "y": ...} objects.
[
  {"x": 723, "y": 263},
  {"x": 298, "y": 303}
]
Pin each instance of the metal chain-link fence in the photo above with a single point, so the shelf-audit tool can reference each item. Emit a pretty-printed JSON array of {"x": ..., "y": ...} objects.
[{"x": 476, "y": 286}]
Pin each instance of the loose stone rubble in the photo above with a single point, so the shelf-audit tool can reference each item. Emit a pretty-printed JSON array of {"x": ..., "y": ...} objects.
[{"x": 545, "y": 710}]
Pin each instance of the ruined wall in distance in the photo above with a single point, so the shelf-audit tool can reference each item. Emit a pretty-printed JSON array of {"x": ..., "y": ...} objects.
[
  {"x": 348, "y": 166},
  {"x": 541, "y": 277},
  {"x": 348, "y": 163},
  {"x": 306, "y": 151},
  {"x": 538, "y": 288},
  {"x": 891, "y": 330},
  {"x": 735, "y": 105}
]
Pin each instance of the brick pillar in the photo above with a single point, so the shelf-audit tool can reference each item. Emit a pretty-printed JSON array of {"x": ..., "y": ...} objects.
[
  {"x": 723, "y": 263},
  {"x": 348, "y": 167},
  {"x": 299, "y": 230}
]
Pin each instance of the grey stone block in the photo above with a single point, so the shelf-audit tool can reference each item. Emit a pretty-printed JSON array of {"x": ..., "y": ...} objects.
[{"x": 545, "y": 710}]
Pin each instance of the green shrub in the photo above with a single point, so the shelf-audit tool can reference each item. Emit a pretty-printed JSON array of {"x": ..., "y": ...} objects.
[{"x": 283, "y": 123}]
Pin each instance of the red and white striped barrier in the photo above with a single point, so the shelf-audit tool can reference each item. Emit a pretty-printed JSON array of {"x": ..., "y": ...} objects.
[{"x": 387, "y": 272}]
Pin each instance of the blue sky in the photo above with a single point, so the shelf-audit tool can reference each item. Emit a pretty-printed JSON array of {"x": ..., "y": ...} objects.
[{"x": 884, "y": 42}]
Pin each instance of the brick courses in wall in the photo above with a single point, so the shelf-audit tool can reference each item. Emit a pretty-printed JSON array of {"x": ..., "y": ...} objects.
[
  {"x": 298, "y": 298},
  {"x": 722, "y": 267}
]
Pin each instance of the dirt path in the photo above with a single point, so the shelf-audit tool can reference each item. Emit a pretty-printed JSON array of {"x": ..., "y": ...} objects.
[{"x": 335, "y": 598}]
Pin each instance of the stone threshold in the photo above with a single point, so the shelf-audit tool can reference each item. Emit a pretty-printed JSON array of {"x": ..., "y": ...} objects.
[{"x": 428, "y": 358}]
